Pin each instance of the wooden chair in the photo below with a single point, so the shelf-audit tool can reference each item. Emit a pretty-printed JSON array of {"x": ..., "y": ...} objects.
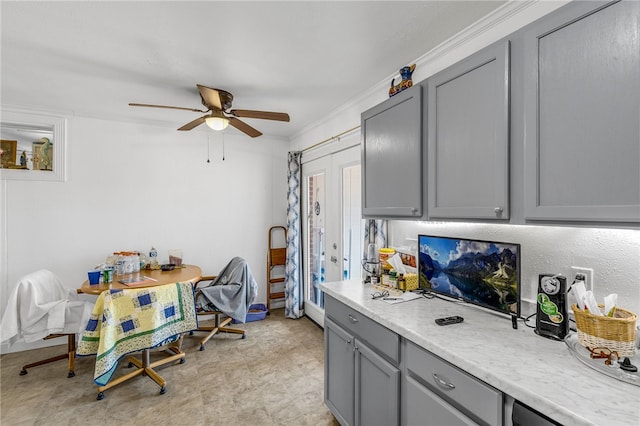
[
  {"x": 70, "y": 355},
  {"x": 219, "y": 323},
  {"x": 41, "y": 307},
  {"x": 145, "y": 367}
]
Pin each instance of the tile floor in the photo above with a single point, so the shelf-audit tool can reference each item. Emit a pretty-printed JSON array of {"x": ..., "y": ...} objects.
[{"x": 273, "y": 377}]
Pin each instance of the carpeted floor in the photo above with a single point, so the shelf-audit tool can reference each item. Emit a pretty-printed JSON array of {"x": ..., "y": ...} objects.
[{"x": 273, "y": 377}]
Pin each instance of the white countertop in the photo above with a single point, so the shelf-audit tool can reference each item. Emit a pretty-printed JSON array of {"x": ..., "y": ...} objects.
[{"x": 537, "y": 371}]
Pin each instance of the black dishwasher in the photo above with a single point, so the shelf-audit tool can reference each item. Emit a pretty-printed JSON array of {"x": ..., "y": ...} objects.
[{"x": 527, "y": 416}]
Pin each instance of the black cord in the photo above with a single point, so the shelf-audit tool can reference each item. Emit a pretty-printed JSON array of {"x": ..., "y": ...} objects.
[
  {"x": 431, "y": 295},
  {"x": 525, "y": 320}
]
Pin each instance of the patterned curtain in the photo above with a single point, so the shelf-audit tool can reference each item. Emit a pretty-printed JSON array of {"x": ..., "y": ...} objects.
[
  {"x": 293, "y": 304},
  {"x": 375, "y": 231}
]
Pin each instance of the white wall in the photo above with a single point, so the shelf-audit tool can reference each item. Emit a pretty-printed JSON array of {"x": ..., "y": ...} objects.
[
  {"x": 613, "y": 254},
  {"x": 505, "y": 20},
  {"x": 131, "y": 186}
]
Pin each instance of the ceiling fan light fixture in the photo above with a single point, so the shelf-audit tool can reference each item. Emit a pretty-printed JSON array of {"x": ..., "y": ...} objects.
[{"x": 217, "y": 123}]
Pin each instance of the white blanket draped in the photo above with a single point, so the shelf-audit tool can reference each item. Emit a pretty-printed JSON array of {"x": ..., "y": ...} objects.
[{"x": 41, "y": 305}]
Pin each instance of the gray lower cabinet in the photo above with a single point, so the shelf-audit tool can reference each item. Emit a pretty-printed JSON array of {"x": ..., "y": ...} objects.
[
  {"x": 366, "y": 383},
  {"x": 468, "y": 137},
  {"x": 377, "y": 389},
  {"x": 437, "y": 393},
  {"x": 425, "y": 407},
  {"x": 339, "y": 372},
  {"x": 362, "y": 377},
  {"x": 581, "y": 114},
  {"x": 392, "y": 157}
]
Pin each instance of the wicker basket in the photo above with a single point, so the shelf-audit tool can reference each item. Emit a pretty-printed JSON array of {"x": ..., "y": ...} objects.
[{"x": 614, "y": 333}]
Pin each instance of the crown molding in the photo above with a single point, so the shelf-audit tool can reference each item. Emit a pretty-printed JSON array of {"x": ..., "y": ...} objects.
[{"x": 503, "y": 21}]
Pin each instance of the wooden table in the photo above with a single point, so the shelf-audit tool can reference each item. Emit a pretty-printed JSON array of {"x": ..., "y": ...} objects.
[{"x": 189, "y": 273}]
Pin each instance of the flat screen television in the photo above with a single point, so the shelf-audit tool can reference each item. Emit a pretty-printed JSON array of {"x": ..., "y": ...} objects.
[{"x": 484, "y": 273}]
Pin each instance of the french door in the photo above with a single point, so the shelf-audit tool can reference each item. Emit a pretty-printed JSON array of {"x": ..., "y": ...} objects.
[{"x": 332, "y": 224}]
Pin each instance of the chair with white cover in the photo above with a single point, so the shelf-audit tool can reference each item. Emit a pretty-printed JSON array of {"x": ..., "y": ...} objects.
[{"x": 41, "y": 307}]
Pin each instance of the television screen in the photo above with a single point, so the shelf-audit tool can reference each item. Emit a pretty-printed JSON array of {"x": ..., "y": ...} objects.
[{"x": 485, "y": 273}]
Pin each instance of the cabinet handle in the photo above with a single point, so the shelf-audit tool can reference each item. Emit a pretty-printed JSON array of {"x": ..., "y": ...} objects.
[
  {"x": 443, "y": 383},
  {"x": 498, "y": 211},
  {"x": 352, "y": 318}
]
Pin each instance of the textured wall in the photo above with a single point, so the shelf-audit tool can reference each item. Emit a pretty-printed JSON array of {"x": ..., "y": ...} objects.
[{"x": 613, "y": 254}]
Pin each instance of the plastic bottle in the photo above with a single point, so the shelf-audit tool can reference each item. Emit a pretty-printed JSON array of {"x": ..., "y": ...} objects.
[
  {"x": 384, "y": 254},
  {"x": 153, "y": 258}
]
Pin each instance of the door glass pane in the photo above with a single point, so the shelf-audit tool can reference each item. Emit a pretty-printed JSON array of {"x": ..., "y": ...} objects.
[
  {"x": 351, "y": 222},
  {"x": 316, "y": 208}
]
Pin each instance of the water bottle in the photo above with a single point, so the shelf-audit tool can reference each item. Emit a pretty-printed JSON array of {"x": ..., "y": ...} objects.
[{"x": 153, "y": 257}]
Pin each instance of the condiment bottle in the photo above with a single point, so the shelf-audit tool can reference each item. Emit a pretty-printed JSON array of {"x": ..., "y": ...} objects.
[
  {"x": 402, "y": 283},
  {"x": 393, "y": 280},
  {"x": 385, "y": 277}
]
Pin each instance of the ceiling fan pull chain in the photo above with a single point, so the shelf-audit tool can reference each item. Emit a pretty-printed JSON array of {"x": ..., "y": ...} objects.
[
  {"x": 223, "y": 145},
  {"x": 208, "y": 145}
]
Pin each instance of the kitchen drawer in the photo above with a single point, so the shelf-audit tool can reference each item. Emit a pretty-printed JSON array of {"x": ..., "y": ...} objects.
[
  {"x": 470, "y": 395},
  {"x": 385, "y": 341}
]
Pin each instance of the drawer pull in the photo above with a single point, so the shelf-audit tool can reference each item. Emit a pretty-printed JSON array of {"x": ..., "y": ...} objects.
[
  {"x": 352, "y": 318},
  {"x": 443, "y": 383}
]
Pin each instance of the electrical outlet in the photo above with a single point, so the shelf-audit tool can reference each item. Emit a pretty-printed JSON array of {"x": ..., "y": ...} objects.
[{"x": 588, "y": 276}]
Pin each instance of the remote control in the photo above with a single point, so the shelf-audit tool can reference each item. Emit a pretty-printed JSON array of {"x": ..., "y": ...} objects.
[{"x": 449, "y": 320}]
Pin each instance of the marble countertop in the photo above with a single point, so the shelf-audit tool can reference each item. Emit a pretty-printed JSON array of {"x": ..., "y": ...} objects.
[{"x": 537, "y": 371}]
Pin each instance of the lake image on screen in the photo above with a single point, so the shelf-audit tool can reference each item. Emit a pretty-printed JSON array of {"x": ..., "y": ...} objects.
[{"x": 485, "y": 273}]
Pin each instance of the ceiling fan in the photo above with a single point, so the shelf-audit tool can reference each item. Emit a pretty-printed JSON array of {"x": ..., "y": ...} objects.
[{"x": 218, "y": 116}]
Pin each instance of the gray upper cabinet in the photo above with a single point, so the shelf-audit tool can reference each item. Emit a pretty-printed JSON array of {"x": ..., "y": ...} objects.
[
  {"x": 468, "y": 137},
  {"x": 582, "y": 114},
  {"x": 392, "y": 157}
]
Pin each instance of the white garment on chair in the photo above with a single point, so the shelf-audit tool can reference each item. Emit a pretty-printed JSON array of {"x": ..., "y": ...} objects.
[{"x": 41, "y": 305}]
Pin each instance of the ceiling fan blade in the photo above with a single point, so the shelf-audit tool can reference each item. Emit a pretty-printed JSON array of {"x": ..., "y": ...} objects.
[
  {"x": 244, "y": 127},
  {"x": 210, "y": 97},
  {"x": 192, "y": 124},
  {"x": 265, "y": 115},
  {"x": 166, "y": 106}
]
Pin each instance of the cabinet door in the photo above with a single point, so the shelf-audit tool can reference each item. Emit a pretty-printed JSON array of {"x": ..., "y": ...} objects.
[
  {"x": 426, "y": 408},
  {"x": 468, "y": 137},
  {"x": 377, "y": 389},
  {"x": 582, "y": 109},
  {"x": 392, "y": 157},
  {"x": 339, "y": 372}
]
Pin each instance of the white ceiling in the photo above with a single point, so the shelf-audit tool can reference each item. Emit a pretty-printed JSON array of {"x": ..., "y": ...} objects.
[{"x": 303, "y": 58}]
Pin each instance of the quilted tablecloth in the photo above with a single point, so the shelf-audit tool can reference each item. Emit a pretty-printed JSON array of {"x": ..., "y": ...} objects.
[{"x": 131, "y": 320}]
